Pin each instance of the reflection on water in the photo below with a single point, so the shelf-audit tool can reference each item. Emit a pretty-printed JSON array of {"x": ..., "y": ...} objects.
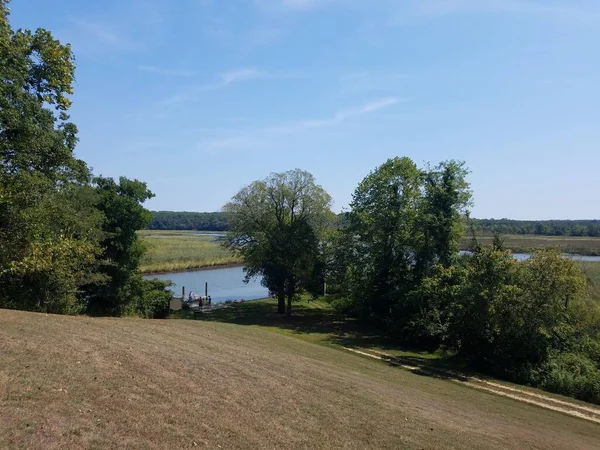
[{"x": 223, "y": 284}]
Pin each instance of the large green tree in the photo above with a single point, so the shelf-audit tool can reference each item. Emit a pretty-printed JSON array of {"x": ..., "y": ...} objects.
[
  {"x": 123, "y": 214},
  {"x": 404, "y": 220},
  {"x": 68, "y": 242},
  {"x": 277, "y": 226},
  {"x": 49, "y": 227}
]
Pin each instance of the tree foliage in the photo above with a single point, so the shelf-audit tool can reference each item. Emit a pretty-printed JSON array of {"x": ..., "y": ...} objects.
[
  {"x": 48, "y": 224},
  {"x": 395, "y": 262},
  {"x": 589, "y": 228},
  {"x": 403, "y": 221},
  {"x": 171, "y": 220},
  {"x": 276, "y": 226},
  {"x": 123, "y": 213},
  {"x": 59, "y": 231}
]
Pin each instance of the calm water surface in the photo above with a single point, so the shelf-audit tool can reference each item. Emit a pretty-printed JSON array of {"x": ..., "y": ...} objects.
[
  {"x": 223, "y": 284},
  {"x": 228, "y": 284}
]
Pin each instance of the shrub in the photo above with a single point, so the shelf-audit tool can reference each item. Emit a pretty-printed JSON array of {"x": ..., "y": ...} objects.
[
  {"x": 150, "y": 298},
  {"x": 341, "y": 304},
  {"x": 570, "y": 374}
]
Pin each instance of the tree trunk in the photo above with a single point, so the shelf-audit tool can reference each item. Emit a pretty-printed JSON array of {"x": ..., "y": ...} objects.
[
  {"x": 280, "y": 303},
  {"x": 289, "y": 304}
]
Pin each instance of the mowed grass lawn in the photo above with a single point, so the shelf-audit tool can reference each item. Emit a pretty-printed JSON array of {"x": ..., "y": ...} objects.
[
  {"x": 527, "y": 243},
  {"x": 169, "y": 251},
  {"x": 79, "y": 382}
]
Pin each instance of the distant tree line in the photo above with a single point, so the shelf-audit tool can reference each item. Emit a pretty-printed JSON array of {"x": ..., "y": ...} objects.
[
  {"x": 217, "y": 221},
  {"x": 589, "y": 228},
  {"x": 69, "y": 242},
  {"x": 173, "y": 220},
  {"x": 393, "y": 261}
]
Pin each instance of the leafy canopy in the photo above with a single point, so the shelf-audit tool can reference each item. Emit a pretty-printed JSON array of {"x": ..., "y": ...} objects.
[{"x": 276, "y": 226}]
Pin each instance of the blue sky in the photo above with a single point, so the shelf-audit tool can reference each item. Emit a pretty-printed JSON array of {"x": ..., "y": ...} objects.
[{"x": 200, "y": 97}]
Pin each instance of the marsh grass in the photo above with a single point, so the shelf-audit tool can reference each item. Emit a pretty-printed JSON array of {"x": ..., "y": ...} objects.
[
  {"x": 527, "y": 243},
  {"x": 171, "y": 251}
]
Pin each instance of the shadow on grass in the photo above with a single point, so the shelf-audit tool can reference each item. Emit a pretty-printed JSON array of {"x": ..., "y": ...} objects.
[{"x": 318, "y": 319}]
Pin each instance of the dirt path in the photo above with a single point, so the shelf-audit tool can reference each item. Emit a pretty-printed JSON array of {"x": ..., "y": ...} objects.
[{"x": 586, "y": 412}]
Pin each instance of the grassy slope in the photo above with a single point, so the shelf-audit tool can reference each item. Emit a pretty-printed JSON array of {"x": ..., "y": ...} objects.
[
  {"x": 170, "y": 251},
  {"x": 527, "y": 243},
  {"x": 77, "y": 382}
]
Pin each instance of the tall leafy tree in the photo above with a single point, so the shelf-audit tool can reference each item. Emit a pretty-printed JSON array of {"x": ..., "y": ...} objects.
[
  {"x": 382, "y": 225},
  {"x": 276, "y": 225},
  {"x": 404, "y": 221},
  {"x": 48, "y": 225},
  {"x": 446, "y": 195},
  {"x": 122, "y": 207}
]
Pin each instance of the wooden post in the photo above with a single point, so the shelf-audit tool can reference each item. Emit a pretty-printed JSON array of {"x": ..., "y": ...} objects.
[
  {"x": 206, "y": 289},
  {"x": 183, "y": 293}
]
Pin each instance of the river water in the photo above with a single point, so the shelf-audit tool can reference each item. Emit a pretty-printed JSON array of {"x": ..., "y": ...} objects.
[
  {"x": 223, "y": 284},
  {"x": 228, "y": 284}
]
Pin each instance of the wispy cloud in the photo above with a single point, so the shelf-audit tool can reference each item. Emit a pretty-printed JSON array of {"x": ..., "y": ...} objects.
[
  {"x": 568, "y": 9},
  {"x": 563, "y": 9},
  {"x": 303, "y": 4},
  {"x": 102, "y": 34},
  {"x": 266, "y": 133},
  {"x": 226, "y": 79},
  {"x": 168, "y": 71},
  {"x": 341, "y": 116},
  {"x": 244, "y": 74},
  {"x": 292, "y": 5}
]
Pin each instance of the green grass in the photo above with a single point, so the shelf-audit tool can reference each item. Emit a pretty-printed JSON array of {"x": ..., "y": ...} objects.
[
  {"x": 80, "y": 382},
  {"x": 526, "y": 243},
  {"x": 317, "y": 322},
  {"x": 171, "y": 251}
]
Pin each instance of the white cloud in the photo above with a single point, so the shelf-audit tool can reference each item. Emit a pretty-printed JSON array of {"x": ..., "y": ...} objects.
[
  {"x": 226, "y": 79},
  {"x": 237, "y": 75},
  {"x": 103, "y": 35},
  {"x": 263, "y": 134},
  {"x": 164, "y": 71},
  {"x": 302, "y": 4},
  {"x": 346, "y": 114},
  {"x": 568, "y": 9},
  {"x": 294, "y": 5}
]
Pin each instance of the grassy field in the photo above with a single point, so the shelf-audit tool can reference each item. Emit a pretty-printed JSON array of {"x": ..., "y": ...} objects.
[
  {"x": 232, "y": 382},
  {"x": 526, "y": 243},
  {"x": 171, "y": 251}
]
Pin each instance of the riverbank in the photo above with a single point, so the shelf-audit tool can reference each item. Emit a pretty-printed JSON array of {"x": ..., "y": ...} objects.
[
  {"x": 191, "y": 268},
  {"x": 178, "y": 251},
  {"x": 519, "y": 243}
]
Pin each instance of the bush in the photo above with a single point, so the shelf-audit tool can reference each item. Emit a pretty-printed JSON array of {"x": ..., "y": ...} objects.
[
  {"x": 150, "y": 298},
  {"x": 341, "y": 304},
  {"x": 570, "y": 374}
]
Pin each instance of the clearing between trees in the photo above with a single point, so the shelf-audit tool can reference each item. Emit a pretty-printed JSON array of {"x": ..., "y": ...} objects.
[{"x": 79, "y": 382}]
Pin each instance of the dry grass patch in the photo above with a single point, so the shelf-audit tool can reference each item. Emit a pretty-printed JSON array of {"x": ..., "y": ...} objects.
[{"x": 76, "y": 382}]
